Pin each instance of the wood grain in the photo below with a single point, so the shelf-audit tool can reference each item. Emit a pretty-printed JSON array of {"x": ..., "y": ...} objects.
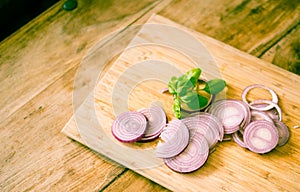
[
  {"x": 286, "y": 53},
  {"x": 251, "y": 26},
  {"x": 229, "y": 161},
  {"x": 49, "y": 160},
  {"x": 130, "y": 181},
  {"x": 35, "y": 155},
  {"x": 41, "y": 62},
  {"x": 38, "y": 66}
]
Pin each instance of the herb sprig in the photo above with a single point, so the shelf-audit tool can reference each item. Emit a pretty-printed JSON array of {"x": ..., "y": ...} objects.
[{"x": 186, "y": 89}]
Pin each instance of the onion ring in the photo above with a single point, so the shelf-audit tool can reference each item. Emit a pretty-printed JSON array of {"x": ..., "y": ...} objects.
[
  {"x": 176, "y": 138},
  {"x": 211, "y": 120},
  {"x": 164, "y": 90},
  {"x": 283, "y": 132},
  {"x": 199, "y": 125},
  {"x": 247, "y": 118},
  {"x": 270, "y": 106},
  {"x": 260, "y": 115},
  {"x": 238, "y": 138},
  {"x": 129, "y": 126},
  {"x": 272, "y": 113},
  {"x": 192, "y": 158},
  {"x": 261, "y": 136},
  {"x": 247, "y": 89},
  {"x": 156, "y": 121},
  {"x": 232, "y": 113}
]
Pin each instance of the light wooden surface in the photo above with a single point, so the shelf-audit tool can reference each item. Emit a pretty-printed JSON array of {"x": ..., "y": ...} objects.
[
  {"x": 131, "y": 83},
  {"x": 38, "y": 65}
]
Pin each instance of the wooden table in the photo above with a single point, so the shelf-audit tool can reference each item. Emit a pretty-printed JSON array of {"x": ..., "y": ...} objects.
[{"x": 38, "y": 65}]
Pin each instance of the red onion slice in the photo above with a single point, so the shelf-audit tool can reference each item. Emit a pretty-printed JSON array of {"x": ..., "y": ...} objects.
[
  {"x": 192, "y": 158},
  {"x": 260, "y": 115},
  {"x": 196, "y": 124},
  {"x": 232, "y": 113},
  {"x": 211, "y": 120},
  {"x": 150, "y": 138},
  {"x": 175, "y": 137},
  {"x": 156, "y": 121},
  {"x": 238, "y": 138},
  {"x": 164, "y": 90},
  {"x": 272, "y": 113},
  {"x": 231, "y": 116},
  {"x": 261, "y": 136},
  {"x": 129, "y": 126},
  {"x": 247, "y": 89},
  {"x": 253, "y": 105},
  {"x": 247, "y": 113},
  {"x": 283, "y": 132}
]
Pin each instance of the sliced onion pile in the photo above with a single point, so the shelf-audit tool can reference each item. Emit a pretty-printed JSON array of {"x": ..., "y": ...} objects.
[
  {"x": 207, "y": 125},
  {"x": 142, "y": 125},
  {"x": 204, "y": 129},
  {"x": 185, "y": 144},
  {"x": 212, "y": 121},
  {"x": 265, "y": 130}
]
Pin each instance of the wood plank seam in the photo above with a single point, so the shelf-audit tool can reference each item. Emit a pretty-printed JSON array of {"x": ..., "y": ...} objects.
[
  {"x": 114, "y": 179},
  {"x": 278, "y": 40}
]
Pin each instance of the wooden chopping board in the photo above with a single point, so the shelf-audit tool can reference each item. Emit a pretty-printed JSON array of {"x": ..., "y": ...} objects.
[{"x": 160, "y": 50}]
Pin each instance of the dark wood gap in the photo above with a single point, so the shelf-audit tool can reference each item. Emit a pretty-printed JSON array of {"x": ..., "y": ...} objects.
[
  {"x": 16, "y": 13},
  {"x": 278, "y": 40}
]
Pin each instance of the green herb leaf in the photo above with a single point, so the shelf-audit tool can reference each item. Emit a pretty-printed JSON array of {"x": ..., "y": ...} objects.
[
  {"x": 184, "y": 86},
  {"x": 172, "y": 85},
  {"x": 182, "y": 80},
  {"x": 171, "y": 89},
  {"x": 188, "y": 97},
  {"x": 214, "y": 86},
  {"x": 185, "y": 89},
  {"x": 198, "y": 102},
  {"x": 177, "y": 108},
  {"x": 193, "y": 75}
]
